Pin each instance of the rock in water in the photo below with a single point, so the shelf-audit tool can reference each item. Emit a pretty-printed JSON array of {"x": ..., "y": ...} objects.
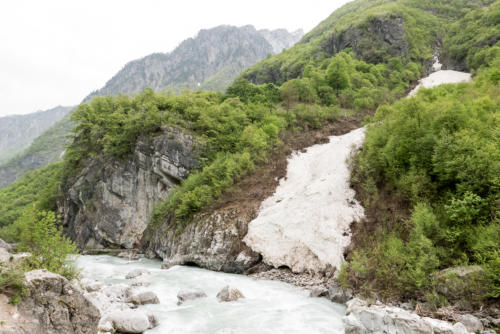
[
  {"x": 59, "y": 306},
  {"x": 136, "y": 273},
  {"x": 130, "y": 321},
  {"x": 229, "y": 294},
  {"x": 144, "y": 298},
  {"x": 185, "y": 295}
]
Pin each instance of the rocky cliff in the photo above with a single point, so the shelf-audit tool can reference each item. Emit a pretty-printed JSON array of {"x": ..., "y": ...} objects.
[
  {"x": 110, "y": 203},
  {"x": 214, "y": 241},
  {"x": 210, "y": 60}
]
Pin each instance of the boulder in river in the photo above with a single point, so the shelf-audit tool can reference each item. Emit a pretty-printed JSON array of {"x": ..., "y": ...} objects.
[
  {"x": 130, "y": 321},
  {"x": 136, "y": 273},
  {"x": 144, "y": 298},
  {"x": 185, "y": 295},
  {"x": 229, "y": 294}
]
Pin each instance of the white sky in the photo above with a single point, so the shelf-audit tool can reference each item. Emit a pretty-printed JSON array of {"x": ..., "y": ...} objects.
[{"x": 55, "y": 52}]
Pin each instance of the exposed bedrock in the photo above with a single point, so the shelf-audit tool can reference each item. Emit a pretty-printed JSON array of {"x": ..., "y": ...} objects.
[
  {"x": 213, "y": 241},
  {"x": 110, "y": 203}
]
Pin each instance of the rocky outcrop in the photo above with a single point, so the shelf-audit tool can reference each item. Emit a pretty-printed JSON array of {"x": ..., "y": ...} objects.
[
  {"x": 362, "y": 318},
  {"x": 111, "y": 202},
  {"x": 387, "y": 32},
  {"x": 212, "y": 241},
  {"x": 56, "y": 306},
  {"x": 197, "y": 60}
]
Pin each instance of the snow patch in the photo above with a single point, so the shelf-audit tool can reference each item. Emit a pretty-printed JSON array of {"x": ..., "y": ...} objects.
[
  {"x": 440, "y": 77},
  {"x": 305, "y": 224}
]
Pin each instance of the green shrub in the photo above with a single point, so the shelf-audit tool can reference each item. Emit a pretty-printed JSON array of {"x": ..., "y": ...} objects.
[{"x": 40, "y": 235}]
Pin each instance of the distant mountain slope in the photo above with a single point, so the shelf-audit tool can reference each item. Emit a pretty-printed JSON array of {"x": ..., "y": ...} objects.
[
  {"x": 18, "y": 131},
  {"x": 209, "y": 61}
]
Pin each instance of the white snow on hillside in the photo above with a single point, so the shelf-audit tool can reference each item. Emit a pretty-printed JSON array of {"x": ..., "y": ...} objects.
[
  {"x": 305, "y": 224},
  {"x": 440, "y": 77}
]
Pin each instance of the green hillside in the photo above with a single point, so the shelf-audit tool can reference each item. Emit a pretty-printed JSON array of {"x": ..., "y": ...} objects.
[{"x": 434, "y": 158}]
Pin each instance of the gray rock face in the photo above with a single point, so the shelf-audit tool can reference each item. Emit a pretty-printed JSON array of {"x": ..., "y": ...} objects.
[
  {"x": 185, "y": 295},
  {"x": 58, "y": 306},
  {"x": 212, "y": 241},
  {"x": 111, "y": 202},
  {"x": 387, "y": 30},
  {"x": 210, "y": 60},
  {"x": 229, "y": 294}
]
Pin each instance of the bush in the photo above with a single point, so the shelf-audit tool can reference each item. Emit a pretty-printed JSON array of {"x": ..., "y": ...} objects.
[{"x": 39, "y": 234}]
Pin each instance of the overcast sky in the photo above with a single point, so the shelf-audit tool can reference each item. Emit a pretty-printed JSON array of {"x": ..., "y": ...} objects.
[{"x": 55, "y": 52}]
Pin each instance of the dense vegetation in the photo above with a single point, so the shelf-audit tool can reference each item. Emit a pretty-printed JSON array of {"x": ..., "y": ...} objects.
[
  {"x": 38, "y": 188},
  {"x": 357, "y": 25},
  {"x": 439, "y": 152}
]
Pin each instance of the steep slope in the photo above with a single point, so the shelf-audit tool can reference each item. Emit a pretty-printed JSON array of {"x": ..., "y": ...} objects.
[
  {"x": 215, "y": 55},
  {"x": 46, "y": 148},
  {"x": 18, "y": 132},
  {"x": 375, "y": 31},
  {"x": 210, "y": 61}
]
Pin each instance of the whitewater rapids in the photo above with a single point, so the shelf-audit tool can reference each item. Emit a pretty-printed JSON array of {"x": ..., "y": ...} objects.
[{"x": 268, "y": 306}]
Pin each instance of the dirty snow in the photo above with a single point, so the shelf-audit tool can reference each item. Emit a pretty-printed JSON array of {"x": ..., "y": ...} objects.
[
  {"x": 305, "y": 224},
  {"x": 440, "y": 77}
]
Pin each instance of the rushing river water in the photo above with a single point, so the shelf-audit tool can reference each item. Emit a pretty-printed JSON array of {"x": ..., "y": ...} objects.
[{"x": 268, "y": 306}]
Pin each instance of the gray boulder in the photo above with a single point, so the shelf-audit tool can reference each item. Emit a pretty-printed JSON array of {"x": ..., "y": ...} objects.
[
  {"x": 5, "y": 256},
  {"x": 5, "y": 245},
  {"x": 144, "y": 298},
  {"x": 470, "y": 322},
  {"x": 362, "y": 318},
  {"x": 318, "y": 291},
  {"x": 136, "y": 273},
  {"x": 337, "y": 294},
  {"x": 130, "y": 321},
  {"x": 58, "y": 305},
  {"x": 129, "y": 255},
  {"x": 229, "y": 294},
  {"x": 185, "y": 295}
]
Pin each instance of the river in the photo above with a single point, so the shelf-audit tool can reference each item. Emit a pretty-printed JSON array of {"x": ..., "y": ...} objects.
[{"x": 268, "y": 306}]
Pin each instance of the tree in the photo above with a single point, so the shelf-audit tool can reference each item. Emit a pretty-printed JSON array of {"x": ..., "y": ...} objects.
[{"x": 337, "y": 73}]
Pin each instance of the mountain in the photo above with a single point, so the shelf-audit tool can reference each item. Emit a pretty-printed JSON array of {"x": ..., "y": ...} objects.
[
  {"x": 185, "y": 177},
  {"x": 209, "y": 61},
  {"x": 18, "y": 131},
  {"x": 377, "y": 31}
]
